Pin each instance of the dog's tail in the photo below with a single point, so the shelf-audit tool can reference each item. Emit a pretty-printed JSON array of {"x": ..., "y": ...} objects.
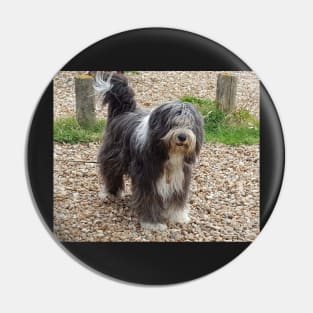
[{"x": 113, "y": 89}]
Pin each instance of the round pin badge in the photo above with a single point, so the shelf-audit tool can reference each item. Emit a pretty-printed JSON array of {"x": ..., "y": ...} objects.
[{"x": 155, "y": 156}]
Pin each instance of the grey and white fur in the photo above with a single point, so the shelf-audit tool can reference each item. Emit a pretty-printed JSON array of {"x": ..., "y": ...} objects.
[{"x": 155, "y": 149}]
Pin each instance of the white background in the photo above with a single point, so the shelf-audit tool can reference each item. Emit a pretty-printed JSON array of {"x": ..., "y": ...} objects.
[{"x": 274, "y": 38}]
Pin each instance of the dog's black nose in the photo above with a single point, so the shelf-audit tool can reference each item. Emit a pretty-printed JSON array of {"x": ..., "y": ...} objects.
[{"x": 181, "y": 137}]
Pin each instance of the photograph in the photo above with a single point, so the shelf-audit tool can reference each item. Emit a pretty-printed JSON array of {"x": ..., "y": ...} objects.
[{"x": 156, "y": 156}]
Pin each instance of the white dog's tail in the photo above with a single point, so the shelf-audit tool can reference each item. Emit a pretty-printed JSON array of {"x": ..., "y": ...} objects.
[
  {"x": 102, "y": 84},
  {"x": 113, "y": 89}
]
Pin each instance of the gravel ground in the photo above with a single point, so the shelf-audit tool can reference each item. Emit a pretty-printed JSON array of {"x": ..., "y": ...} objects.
[
  {"x": 153, "y": 88},
  {"x": 224, "y": 196},
  {"x": 224, "y": 199}
]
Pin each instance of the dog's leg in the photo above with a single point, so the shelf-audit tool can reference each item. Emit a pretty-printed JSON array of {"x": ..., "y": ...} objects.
[
  {"x": 112, "y": 187},
  {"x": 178, "y": 215},
  {"x": 150, "y": 216},
  {"x": 177, "y": 209},
  {"x": 149, "y": 208},
  {"x": 105, "y": 194},
  {"x": 112, "y": 182}
]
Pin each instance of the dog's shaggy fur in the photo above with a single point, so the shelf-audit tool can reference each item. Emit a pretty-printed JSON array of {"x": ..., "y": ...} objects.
[{"x": 156, "y": 149}]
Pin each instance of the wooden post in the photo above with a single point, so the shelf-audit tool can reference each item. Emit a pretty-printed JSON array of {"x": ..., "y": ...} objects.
[
  {"x": 85, "y": 100},
  {"x": 226, "y": 92}
]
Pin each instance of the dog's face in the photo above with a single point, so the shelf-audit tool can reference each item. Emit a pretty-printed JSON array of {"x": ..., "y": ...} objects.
[
  {"x": 178, "y": 127},
  {"x": 180, "y": 140}
]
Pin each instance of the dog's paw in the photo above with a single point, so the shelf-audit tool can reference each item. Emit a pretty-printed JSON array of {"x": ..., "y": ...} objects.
[
  {"x": 104, "y": 195},
  {"x": 153, "y": 226},
  {"x": 180, "y": 216}
]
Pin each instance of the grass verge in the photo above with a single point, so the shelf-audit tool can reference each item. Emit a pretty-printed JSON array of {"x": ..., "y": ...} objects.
[
  {"x": 233, "y": 128},
  {"x": 67, "y": 130}
]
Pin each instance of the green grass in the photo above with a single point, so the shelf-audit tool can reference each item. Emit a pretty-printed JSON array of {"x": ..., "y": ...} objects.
[
  {"x": 67, "y": 130},
  {"x": 234, "y": 136},
  {"x": 233, "y": 128}
]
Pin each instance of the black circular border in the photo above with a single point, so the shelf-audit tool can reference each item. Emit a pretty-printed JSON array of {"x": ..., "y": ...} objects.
[{"x": 154, "y": 49}]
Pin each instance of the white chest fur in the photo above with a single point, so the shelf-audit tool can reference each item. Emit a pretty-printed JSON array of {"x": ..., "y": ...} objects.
[{"x": 172, "y": 179}]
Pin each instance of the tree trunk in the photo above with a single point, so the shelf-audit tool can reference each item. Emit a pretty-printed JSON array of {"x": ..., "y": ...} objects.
[
  {"x": 85, "y": 101},
  {"x": 226, "y": 92}
]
